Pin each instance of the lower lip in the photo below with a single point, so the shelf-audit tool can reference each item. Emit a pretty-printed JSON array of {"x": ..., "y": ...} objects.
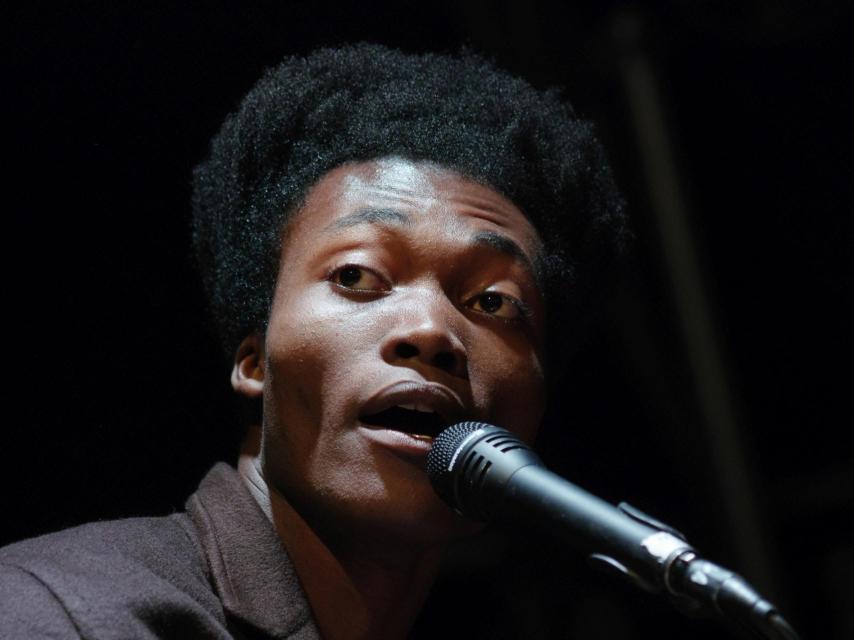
[{"x": 399, "y": 441}]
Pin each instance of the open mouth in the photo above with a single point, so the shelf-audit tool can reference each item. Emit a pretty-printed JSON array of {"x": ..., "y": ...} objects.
[{"x": 408, "y": 419}]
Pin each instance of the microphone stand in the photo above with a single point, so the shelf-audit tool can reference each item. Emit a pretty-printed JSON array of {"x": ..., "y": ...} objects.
[
  {"x": 487, "y": 473},
  {"x": 697, "y": 586}
]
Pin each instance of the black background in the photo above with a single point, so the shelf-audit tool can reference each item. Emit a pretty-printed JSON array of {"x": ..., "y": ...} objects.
[{"x": 118, "y": 399}]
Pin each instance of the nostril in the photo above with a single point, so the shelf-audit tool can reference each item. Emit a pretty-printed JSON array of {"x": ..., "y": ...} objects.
[
  {"x": 441, "y": 356},
  {"x": 405, "y": 350},
  {"x": 444, "y": 360}
]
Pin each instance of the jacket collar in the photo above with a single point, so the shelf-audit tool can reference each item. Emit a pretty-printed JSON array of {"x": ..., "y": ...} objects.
[{"x": 249, "y": 568}]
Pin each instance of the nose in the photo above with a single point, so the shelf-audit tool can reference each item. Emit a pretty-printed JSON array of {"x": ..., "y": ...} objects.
[{"x": 425, "y": 336}]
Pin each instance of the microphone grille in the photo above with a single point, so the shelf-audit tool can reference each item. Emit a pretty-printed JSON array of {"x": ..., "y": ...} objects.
[{"x": 445, "y": 446}]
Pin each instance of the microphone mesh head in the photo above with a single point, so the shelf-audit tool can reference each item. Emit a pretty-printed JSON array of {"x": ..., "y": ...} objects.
[{"x": 445, "y": 446}]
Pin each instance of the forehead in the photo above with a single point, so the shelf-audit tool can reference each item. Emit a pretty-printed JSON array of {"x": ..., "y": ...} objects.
[{"x": 407, "y": 192}]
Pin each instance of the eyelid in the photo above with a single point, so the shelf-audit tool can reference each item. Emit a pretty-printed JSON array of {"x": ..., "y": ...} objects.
[
  {"x": 384, "y": 288},
  {"x": 524, "y": 311}
]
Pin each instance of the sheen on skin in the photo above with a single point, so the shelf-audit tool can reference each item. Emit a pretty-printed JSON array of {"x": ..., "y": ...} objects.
[{"x": 399, "y": 281}]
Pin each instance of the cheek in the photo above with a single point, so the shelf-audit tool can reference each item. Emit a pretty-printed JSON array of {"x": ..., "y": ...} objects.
[
  {"x": 313, "y": 346},
  {"x": 512, "y": 393}
]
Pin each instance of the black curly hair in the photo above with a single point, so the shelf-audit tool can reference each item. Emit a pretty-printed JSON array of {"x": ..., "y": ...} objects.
[{"x": 362, "y": 102}]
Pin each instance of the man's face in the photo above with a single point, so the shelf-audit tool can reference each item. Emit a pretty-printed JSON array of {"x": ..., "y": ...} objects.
[{"x": 405, "y": 302}]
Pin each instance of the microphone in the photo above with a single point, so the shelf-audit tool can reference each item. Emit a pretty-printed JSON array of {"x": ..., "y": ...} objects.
[{"x": 486, "y": 473}]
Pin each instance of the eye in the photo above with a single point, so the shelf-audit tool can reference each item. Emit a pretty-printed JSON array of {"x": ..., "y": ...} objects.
[
  {"x": 357, "y": 279},
  {"x": 498, "y": 305}
]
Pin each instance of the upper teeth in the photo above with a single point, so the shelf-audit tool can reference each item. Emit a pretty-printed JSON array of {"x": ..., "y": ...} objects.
[{"x": 416, "y": 407}]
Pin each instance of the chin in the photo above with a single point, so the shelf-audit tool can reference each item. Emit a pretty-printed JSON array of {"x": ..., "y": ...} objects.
[
  {"x": 421, "y": 530},
  {"x": 406, "y": 515}
]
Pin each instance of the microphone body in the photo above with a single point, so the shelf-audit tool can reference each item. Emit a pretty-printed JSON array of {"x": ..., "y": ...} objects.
[
  {"x": 487, "y": 473},
  {"x": 536, "y": 495}
]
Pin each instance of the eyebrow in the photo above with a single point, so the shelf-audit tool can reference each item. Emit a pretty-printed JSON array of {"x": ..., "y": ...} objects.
[
  {"x": 504, "y": 245},
  {"x": 489, "y": 239},
  {"x": 370, "y": 216}
]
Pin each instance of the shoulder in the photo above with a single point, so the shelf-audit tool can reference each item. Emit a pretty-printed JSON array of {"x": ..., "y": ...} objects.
[
  {"x": 28, "y": 609},
  {"x": 109, "y": 579}
]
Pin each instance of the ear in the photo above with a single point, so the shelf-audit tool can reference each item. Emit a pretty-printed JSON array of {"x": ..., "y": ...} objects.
[{"x": 247, "y": 376}]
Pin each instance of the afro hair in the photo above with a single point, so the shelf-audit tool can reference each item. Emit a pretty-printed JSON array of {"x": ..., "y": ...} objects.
[{"x": 309, "y": 115}]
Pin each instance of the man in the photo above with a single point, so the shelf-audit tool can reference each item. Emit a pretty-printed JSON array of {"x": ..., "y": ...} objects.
[{"x": 379, "y": 235}]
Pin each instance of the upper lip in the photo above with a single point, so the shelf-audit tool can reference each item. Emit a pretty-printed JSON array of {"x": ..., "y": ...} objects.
[{"x": 426, "y": 395}]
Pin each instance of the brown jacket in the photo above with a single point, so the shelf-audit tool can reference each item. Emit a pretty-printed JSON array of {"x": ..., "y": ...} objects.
[{"x": 216, "y": 571}]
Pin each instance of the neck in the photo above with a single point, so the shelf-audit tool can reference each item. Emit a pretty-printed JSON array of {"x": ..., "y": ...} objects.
[{"x": 356, "y": 588}]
